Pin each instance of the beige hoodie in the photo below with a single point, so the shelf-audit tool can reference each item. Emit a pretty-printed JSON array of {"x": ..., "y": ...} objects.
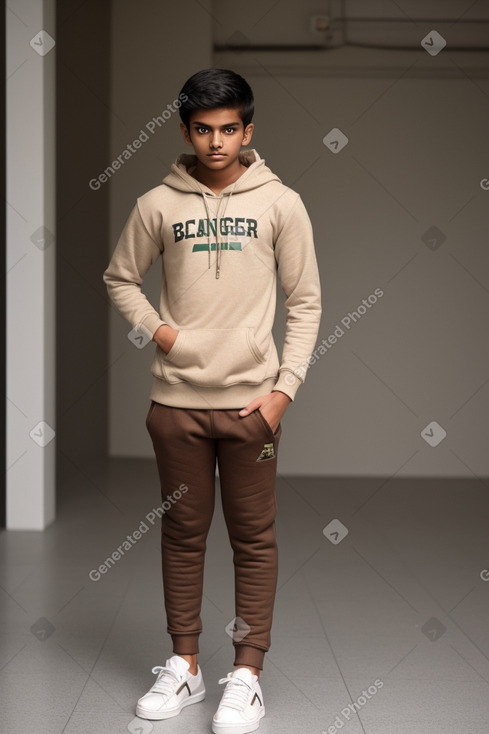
[{"x": 219, "y": 257}]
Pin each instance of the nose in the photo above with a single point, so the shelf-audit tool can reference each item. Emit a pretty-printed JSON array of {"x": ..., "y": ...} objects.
[{"x": 216, "y": 140}]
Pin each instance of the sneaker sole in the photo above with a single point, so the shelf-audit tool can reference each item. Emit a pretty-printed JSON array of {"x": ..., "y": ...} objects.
[
  {"x": 169, "y": 713},
  {"x": 245, "y": 728}
]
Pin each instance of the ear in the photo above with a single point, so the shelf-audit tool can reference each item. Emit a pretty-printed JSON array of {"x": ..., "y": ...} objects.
[
  {"x": 185, "y": 133},
  {"x": 248, "y": 133}
]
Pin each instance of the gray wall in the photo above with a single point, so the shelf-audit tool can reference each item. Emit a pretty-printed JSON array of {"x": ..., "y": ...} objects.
[
  {"x": 417, "y": 134},
  {"x": 419, "y": 354},
  {"x": 30, "y": 264},
  {"x": 83, "y": 124}
]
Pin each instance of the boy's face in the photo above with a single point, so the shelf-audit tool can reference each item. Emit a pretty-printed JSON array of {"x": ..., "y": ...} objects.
[{"x": 216, "y": 136}]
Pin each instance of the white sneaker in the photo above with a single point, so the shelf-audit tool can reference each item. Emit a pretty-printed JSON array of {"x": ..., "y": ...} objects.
[
  {"x": 175, "y": 688},
  {"x": 241, "y": 706}
]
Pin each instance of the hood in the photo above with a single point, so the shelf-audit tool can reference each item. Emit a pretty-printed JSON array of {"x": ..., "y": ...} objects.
[{"x": 256, "y": 175}]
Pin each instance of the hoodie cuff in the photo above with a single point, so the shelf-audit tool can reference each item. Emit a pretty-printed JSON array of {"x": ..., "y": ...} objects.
[
  {"x": 287, "y": 383},
  {"x": 150, "y": 324}
]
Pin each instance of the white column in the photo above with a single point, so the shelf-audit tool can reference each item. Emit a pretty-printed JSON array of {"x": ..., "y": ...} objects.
[{"x": 31, "y": 223}]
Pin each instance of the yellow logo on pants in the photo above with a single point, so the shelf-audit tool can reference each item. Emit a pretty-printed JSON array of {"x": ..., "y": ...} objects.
[{"x": 268, "y": 452}]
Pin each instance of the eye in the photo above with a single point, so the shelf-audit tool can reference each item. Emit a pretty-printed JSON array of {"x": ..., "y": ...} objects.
[
  {"x": 230, "y": 130},
  {"x": 200, "y": 129}
]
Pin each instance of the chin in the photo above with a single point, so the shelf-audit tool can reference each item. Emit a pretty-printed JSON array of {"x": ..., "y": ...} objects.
[{"x": 216, "y": 164}]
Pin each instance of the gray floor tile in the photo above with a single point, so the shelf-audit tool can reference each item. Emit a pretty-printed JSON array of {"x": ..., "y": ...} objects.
[{"x": 399, "y": 600}]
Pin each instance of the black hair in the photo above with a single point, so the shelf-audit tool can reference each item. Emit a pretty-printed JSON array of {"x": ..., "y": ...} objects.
[{"x": 210, "y": 89}]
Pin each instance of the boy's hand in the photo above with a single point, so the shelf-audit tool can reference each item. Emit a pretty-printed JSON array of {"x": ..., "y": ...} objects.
[
  {"x": 272, "y": 407},
  {"x": 165, "y": 336}
]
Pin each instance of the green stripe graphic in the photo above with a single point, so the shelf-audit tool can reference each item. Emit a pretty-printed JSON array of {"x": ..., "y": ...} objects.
[{"x": 224, "y": 246}]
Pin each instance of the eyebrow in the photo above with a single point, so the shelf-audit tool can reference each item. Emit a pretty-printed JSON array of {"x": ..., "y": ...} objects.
[{"x": 204, "y": 124}]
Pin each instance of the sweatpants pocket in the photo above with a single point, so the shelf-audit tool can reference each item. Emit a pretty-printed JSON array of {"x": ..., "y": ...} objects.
[{"x": 267, "y": 424}]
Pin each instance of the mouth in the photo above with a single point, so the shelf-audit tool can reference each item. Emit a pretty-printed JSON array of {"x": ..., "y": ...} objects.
[{"x": 216, "y": 155}]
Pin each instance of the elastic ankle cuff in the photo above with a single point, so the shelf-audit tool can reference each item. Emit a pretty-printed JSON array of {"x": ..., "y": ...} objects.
[
  {"x": 185, "y": 644},
  {"x": 247, "y": 655}
]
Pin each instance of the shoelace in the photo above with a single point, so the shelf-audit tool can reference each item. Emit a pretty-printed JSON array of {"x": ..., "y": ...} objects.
[
  {"x": 165, "y": 682},
  {"x": 236, "y": 693}
]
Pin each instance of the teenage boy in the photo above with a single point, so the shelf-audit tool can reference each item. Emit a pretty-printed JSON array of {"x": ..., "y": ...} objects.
[{"x": 223, "y": 224}]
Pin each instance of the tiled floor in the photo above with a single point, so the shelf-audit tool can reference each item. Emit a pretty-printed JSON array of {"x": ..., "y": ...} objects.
[{"x": 398, "y": 608}]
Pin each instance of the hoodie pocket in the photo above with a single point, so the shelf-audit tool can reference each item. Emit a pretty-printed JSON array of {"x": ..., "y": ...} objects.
[{"x": 212, "y": 358}]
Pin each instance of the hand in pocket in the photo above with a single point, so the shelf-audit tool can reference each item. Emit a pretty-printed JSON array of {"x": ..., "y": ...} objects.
[
  {"x": 165, "y": 337},
  {"x": 271, "y": 406}
]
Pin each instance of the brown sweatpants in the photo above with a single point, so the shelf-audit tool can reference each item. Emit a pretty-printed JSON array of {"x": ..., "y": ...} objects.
[{"x": 187, "y": 443}]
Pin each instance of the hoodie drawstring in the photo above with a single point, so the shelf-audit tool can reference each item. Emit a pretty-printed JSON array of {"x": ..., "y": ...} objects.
[{"x": 218, "y": 229}]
